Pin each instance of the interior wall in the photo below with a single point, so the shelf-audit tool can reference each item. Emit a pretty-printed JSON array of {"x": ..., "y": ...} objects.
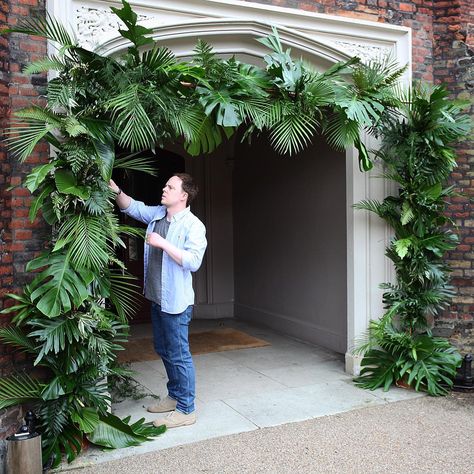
[
  {"x": 290, "y": 241},
  {"x": 214, "y": 281}
]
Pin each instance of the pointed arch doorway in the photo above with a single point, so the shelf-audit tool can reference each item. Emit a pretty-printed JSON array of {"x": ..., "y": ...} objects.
[{"x": 232, "y": 27}]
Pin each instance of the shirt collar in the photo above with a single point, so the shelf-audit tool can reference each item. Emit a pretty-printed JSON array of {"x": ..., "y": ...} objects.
[{"x": 179, "y": 215}]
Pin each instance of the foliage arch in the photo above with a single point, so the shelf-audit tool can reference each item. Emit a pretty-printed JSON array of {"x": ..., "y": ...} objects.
[{"x": 97, "y": 105}]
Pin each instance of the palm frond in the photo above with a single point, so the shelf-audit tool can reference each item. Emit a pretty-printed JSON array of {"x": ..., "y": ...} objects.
[
  {"x": 341, "y": 132},
  {"x": 17, "y": 389},
  {"x": 86, "y": 241},
  {"x": 47, "y": 27},
  {"x": 133, "y": 126},
  {"x": 51, "y": 63},
  {"x": 124, "y": 294},
  {"x": 293, "y": 133},
  {"x": 16, "y": 337}
]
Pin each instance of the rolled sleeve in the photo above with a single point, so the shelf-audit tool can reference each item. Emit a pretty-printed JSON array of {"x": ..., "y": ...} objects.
[
  {"x": 194, "y": 248},
  {"x": 141, "y": 212}
]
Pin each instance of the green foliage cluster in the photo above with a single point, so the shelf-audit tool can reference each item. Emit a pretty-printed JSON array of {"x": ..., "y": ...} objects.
[
  {"x": 416, "y": 150},
  {"x": 98, "y": 106}
]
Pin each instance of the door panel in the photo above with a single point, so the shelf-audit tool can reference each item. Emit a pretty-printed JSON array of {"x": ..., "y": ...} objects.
[{"x": 146, "y": 188}]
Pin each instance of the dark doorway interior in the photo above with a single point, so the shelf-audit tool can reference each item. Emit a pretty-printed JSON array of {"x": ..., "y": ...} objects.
[{"x": 146, "y": 188}]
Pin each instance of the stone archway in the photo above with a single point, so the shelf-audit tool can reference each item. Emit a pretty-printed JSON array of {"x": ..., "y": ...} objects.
[{"x": 231, "y": 27}]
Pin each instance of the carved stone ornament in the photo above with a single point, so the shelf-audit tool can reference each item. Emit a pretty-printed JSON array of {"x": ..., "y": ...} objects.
[
  {"x": 364, "y": 51},
  {"x": 95, "y": 25}
]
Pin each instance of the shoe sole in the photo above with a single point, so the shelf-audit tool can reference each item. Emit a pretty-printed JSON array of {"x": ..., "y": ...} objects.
[
  {"x": 151, "y": 410},
  {"x": 175, "y": 426}
]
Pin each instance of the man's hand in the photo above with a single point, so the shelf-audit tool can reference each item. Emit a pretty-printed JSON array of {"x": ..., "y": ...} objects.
[
  {"x": 155, "y": 240},
  {"x": 122, "y": 200},
  {"x": 113, "y": 186}
]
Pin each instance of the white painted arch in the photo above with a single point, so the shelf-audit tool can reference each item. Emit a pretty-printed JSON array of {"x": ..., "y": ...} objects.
[{"x": 232, "y": 27}]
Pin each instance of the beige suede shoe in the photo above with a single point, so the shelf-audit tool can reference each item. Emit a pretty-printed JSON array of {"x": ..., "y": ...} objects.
[
  {"x": 167, "y": 404},
  {"x": 176, "y": 419}
]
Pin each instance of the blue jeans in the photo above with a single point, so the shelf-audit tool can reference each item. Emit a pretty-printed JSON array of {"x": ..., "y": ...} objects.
[{"x": 170, "y": 338}]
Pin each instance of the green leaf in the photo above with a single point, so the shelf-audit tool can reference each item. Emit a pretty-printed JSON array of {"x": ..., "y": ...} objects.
[
  {"x": 37, "y": 176},
  {"x": 434, "y": 192},
  {"x": 53, "y": 390},
  {"x": 47, "y": 27},
  {"x": 66, "y": 183},
  {"x": 135, "y": 33},
  {"x": 105, "y": 158},
  {"x": 59, "y": 287},
  {"x": 407, "y": 214},
  {"x": 112, "y": 432},
  {"x": 18, "y": 389},
  {"x": 87, "y": 418},
  {"x": 402, "y": 246},
  {"x": 145, "y": 164},
  {"x": 37, "y": 202},
  {"x": 365, "y": 163},
  {"x": 86, "y": 237}
]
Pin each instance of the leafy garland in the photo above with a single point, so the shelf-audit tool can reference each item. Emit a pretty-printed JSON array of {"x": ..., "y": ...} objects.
[
  {"x": 417, "y": 153},
  {"x": 96, "y": 108}
]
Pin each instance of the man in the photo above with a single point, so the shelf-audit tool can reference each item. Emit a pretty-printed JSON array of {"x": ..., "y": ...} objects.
[{"x": 175, "y": 245}]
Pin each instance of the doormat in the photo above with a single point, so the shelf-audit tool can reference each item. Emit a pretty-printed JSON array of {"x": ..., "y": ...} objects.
[{"x": 217, "y": 340}]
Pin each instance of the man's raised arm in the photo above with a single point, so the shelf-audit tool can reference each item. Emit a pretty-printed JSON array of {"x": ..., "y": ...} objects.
[{"x": 123, "y": 201}]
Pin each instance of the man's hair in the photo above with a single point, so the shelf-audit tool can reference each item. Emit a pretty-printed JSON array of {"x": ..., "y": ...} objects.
[{"x": 188, "y": 185}]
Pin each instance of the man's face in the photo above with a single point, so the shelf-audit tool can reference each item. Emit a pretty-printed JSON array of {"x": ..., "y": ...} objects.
[{"x": 173, "y": 192}]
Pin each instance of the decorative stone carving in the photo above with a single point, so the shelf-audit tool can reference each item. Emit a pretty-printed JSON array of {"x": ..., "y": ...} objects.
[
  {"x": 94, "y": 25},
  {"x": 364, "y": 51}
]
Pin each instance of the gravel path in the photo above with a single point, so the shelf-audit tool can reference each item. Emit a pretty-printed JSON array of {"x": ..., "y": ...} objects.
[{"x": 434, "y": 435}]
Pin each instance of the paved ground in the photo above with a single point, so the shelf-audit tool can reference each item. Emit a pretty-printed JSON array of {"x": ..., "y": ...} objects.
[
  {"x": 434, "y": 435},
  {"x": 249, "y": 389}
]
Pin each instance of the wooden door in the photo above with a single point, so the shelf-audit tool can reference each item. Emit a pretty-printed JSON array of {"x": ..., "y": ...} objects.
[{"x": 148, "y": 189}]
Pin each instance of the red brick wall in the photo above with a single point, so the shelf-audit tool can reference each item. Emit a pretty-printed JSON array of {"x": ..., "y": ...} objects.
[
  {"x": 20, "y": 239},
  {"x": 454, "y": 52},
  {"x": 417, "y": 14}
]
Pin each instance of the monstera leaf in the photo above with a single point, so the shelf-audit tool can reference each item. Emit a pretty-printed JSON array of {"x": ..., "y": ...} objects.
[
  {"x": 59, "y": 287},
  {"x": 67, "y": 183}
]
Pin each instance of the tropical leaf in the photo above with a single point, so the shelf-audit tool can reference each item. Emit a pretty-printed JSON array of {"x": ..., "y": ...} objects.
[
  {"x": 135, "y": 162},
  {"x": 133, "y": 125},
  {"x": 134, "y": 33},
  {"x": 37, "y": 176},
  {"x": 87, "y": 418},
  {"x": 47, "y": 27},
  {"x": 208, "y": 137},
  {"x": 292, "y": 133},
  {"x": 16, "y": 337},
  {"x": 22, "y": 138},
  {"x": 105, "y": 153},
  {"x": 53, "y": 335},
  {"x": 18, "y": 389},
  {"x": 67, "y": 183},
  {"x": 112, "y": 432},
  {"x": 124, "y": 294},
  {"x": 59, "y": 287},
  {"x": 51, "y": 63},
  {"x": 86, "y": 239}
]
